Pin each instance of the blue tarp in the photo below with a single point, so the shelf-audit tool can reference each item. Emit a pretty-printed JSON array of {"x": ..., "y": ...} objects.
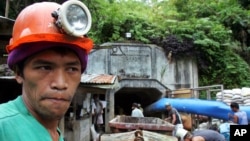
[{"x": 211, "y": 108}]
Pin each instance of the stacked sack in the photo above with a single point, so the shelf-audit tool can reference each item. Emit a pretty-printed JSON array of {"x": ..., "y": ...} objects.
[
  {"x": 246, "y": 96},
  {"x": 229, "y": 96},
  {"x": 225, "y": 96}
]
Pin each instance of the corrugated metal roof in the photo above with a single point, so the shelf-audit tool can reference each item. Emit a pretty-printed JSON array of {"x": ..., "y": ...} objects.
[
  {"x": 87, "y": 78},
  {"x": 103, "y": 81},
  {"x": 98, "y": 79},
  {"x": 8, "y": 77}
]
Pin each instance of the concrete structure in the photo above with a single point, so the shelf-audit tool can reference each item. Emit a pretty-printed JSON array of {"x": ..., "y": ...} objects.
[
  {"x": 142, "y": 61},
  {"x": 145, "y": 74}
]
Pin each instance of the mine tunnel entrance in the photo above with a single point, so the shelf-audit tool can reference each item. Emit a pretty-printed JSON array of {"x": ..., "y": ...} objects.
[{"x": 126, "y": 96}]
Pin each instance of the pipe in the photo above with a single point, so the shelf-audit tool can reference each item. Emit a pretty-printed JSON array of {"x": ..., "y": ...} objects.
[{"x": 211, "y": 108}]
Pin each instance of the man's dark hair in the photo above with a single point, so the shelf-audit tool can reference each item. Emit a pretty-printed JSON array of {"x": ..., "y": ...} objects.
[
  {"x": 135, "y": 105},
  {"x": 214, "y": 127},
  {"x": 18, "y": 68},
  {"x": 187, "y": 136},
  {"x": 234, "y": 105}
]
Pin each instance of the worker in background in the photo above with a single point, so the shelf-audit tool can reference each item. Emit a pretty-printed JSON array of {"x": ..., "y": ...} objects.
[
  {"x": 98, "y": 112},
  {"x": 238, "y": 116},
  {"x": 135, "y": 111},
  {"x": 173, "y": 116}
]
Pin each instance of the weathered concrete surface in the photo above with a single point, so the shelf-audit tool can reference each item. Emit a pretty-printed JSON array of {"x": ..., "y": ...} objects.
[{"x": 130, "y": 61}]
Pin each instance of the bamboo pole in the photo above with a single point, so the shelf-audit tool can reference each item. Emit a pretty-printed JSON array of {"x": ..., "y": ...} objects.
[{"x": 7, "y": 6}]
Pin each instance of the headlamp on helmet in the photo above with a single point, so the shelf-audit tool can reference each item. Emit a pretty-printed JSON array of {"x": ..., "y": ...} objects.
[{"x": 73, "y": 18}]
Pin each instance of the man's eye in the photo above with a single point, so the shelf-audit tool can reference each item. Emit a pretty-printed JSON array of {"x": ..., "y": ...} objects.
[
  {"x": 73, "y": 69},
  {"x": 44, "y": 68}
]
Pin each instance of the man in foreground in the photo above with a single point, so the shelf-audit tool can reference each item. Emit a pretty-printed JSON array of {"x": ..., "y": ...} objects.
[{"x": 48, "y": 64}]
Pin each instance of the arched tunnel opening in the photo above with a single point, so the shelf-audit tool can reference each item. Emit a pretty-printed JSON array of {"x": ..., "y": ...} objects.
[{"x": 126, "y": 96}]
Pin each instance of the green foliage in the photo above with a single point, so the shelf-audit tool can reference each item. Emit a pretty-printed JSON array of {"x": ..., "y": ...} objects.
[
  {"x": 218, "y": 64},
  {"x": 219, "y": 31},
  {"x": 113, "y": 20}
]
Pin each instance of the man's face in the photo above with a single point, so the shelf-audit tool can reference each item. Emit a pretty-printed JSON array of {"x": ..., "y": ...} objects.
[
  {"x": 133, "y": 107},
  {"x": 233, "y": 109},
  {"x": 168, "y": 108},
  {"x": 50, "y": 80}
]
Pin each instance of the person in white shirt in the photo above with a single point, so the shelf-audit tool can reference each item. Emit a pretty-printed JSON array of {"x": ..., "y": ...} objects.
[
  {"x": 98, "y": 112},
  {"x": 136, "y": 112}
]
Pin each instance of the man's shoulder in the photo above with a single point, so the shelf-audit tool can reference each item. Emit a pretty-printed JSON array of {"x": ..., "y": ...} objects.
[
  {"x": 240, "y": 113},
  {"x": 198, "y": 138},
  {"x": 8, "y": 110},
  {"x": 137, "y": 110},
  {"x": 244, "y": 112},
  {"x": 207, "y": 132},
  {"x": 173, "y": 110}
]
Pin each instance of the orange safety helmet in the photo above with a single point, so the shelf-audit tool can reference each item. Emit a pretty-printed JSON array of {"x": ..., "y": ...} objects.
[{"x": 35, "y": 30}]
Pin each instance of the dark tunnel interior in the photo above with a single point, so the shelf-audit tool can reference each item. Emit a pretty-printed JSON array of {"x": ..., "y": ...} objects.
[{"x": 126, "y": 96}]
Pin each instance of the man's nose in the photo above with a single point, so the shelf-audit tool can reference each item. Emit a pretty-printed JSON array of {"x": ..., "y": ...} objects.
[{"x": 59, "y": 80}]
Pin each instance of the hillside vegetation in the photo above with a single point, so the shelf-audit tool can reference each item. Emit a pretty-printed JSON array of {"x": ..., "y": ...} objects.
[{"x": 214, "y": 32}]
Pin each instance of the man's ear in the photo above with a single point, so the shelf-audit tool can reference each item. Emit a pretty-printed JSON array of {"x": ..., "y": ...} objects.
[{"x": 19, "y": 79}]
